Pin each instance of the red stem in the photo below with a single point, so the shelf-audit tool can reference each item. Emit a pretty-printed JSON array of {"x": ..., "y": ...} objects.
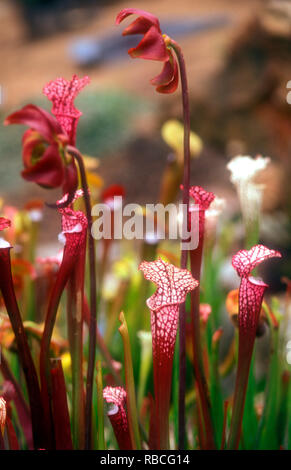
[
  {"x": 246, "y": 346},
  {"x": 60, "y": 284},
  {"x": 184, "y": 253},
  {"x": 60, "y": 407},
  {"x": 196, "y": 260},
  {"x": 75, "y": 302}
]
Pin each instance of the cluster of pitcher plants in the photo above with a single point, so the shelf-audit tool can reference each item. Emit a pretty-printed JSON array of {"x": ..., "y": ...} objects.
[{"x": 103, "y": 353}]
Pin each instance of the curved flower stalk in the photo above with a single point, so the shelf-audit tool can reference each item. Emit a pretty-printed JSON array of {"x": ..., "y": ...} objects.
[
  {"x": 152, "y": 47},
  {"x": 74, "y": 226},
  {"x": 173, "y": 285},
  {"x": 251, "y": 294},
  {"x": 8, "y": 293},
  {"x": 203, "y": 199},
  {"x": 45, "y": 158},
  {"x": 160, "y": 47},
  {"x": 244, "y": 170},
  {"x": 117, "y": 415}
]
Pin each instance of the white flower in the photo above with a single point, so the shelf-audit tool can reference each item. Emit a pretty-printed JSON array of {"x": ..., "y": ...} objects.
[
  {"x": 243, "y": 171},
  {"x": 244, "y": 168}
]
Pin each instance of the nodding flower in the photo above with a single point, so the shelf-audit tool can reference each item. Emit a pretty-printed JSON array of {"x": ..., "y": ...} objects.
[
  {"x": 153, "y": 46},
  {"x": 251, "y": 294},
  {"x": 45, "y": 159},
  {"x": 117, "y": 415},
  {"x": 173, "y": 284}
]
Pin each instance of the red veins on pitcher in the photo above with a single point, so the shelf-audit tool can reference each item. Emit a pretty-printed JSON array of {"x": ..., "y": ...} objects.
[
  {"x": 251, "y": 290},
  {"x": 117, "y": 415}
]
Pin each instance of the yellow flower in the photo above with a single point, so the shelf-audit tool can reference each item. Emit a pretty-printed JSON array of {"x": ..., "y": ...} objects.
[
  {"x": 173, "y": 135},
  {"x": 66, "y": 361}
]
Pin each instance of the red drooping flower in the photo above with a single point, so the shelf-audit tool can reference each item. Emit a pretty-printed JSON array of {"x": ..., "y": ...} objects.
[
  {"x": 45, "y": 159},
  {"x": 173, "y": 285},
  {"x": 112, "y": 191},
  {"x": 251, "y": 294},
  {"x": 117, "y": 415},
  {"x": 153, "y": 46}
]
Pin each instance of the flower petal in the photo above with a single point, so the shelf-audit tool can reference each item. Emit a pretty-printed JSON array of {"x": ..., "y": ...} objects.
[
  {"x": 135, "y": 11},
  {"x": 166, "y": 75},
  {"x": 151, "y": 47},
  {"x": 48, "y": 171},
  {"x": 140, "y": 26},
  {"x": 37, "y": 119},
  {"x": 172, "y": 86}
]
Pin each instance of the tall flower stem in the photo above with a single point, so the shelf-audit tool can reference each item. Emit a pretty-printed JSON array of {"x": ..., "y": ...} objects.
[
  {"x": 93, "y": 300},
  {"x": 130, "y": 389},
  {"x": 184, "y": 253},
  {"x": 7, "y": 289}
]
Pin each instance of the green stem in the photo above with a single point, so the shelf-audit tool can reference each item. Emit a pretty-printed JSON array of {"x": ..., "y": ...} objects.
[
  {"x": 130, "y": 389},
  {"x": 100, "y": 408}
]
